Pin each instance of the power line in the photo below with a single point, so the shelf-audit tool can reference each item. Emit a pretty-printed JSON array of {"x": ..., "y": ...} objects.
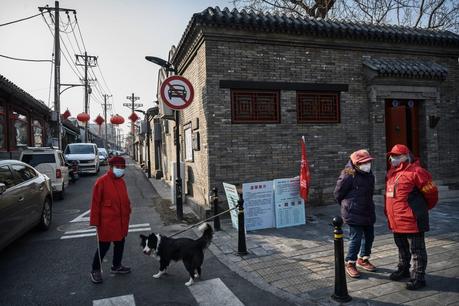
[
  {"x": 25, "y": 59},
  {"x": 11, "y": 22}
]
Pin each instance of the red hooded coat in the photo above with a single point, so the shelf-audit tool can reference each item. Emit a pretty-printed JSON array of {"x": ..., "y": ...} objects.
[
  {"x": 415, "y": 193},
  {"x": 110, "y": 208}
]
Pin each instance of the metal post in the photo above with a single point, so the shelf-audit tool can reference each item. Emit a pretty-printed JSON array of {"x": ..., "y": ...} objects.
[
  {"x": 241, "y": 245},
  {"x": 57, "y": 75},
  {"x": 341, "y": 294},
  {"x": 148, "y": 143},
  {"x": 178, "y": 180},
  {"x": 215, "y": 204}
]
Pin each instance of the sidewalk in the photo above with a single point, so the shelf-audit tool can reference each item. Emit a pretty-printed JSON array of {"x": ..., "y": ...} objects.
[{"x": 297, "y": 263}]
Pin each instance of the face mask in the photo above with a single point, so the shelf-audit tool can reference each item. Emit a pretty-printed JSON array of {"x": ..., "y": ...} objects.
[
  {"x": 365, "y": 167},
  {"x": 118, "y": 172},
  {"x": 396, "y": 160}
]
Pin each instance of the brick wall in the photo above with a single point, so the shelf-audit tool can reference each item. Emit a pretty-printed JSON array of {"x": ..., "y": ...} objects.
[{"x": 238, "y": 153}]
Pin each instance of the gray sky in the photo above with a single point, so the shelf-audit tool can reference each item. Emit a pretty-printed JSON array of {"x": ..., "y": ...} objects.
[{"x": 119, "y": 32}]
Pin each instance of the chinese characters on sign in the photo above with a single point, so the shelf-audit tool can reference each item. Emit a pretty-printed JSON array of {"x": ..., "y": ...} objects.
[
  {"x": 288, "y": 204},
  {"x": 258, "y": 205}
]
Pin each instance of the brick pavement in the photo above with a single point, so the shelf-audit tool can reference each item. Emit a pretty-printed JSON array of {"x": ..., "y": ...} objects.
[{"x": 297, "y": 263}]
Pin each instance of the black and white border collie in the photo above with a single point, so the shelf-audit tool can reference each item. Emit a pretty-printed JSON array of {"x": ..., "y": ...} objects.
[{"x": 190, "y": 251}]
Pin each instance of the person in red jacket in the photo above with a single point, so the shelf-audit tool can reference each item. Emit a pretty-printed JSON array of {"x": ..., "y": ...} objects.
[
  {"x": 410, "y": 194},
  {"x": 110, "y": 212}
]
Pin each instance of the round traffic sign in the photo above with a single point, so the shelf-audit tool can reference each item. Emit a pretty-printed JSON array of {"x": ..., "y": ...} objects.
[{"x": 177, "y": 92}]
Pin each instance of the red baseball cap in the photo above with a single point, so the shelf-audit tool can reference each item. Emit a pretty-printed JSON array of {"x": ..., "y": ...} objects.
[
  {"x": 117, "y": 161},
  {"x": 360, "y": 157},
  {"x": 399, "y": 149}
]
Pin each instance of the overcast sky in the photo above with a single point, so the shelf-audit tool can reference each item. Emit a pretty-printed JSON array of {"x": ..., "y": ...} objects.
[{"x": 119, "y": 32}]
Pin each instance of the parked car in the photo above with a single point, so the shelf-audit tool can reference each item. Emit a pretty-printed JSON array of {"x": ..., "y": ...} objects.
[
  {"x": 85, "y": 154},
  {"x": 25, "y": 198},
  {"x": 51, "y": 162},
  {"x": 103, "y": 156}
]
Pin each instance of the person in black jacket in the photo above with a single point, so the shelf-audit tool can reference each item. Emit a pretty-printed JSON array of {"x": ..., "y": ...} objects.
[{"x": 354, "y": 192}]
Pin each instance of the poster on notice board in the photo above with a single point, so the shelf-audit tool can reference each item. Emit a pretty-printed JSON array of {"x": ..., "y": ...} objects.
[
  {"x": 289, "y": 206},
  {"x": 258, "y": 205}
]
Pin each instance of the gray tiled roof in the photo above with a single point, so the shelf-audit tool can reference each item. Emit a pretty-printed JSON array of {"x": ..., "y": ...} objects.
[
  {"x": 319, "y": 27},
  {"x": 407, "y": 68},
  {"x": 9, "y": 87}
]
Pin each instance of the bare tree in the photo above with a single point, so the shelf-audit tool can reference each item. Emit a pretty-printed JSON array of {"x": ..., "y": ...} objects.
[{"x": 431, "y": 14}]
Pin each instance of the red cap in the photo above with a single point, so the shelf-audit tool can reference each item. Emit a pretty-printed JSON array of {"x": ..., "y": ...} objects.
[
  {"x": 361, "y": 157},
  {"x": 399, "y": 149},
  {"x": 117, "y": 161}
]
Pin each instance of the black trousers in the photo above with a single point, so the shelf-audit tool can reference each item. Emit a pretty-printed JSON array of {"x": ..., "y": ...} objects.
[
  {"x": 412, "y": 246},
  {"x": 103, "y": 247}
]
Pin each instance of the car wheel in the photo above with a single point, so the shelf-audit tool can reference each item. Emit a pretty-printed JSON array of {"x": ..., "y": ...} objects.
[{"x": 46, "y": 215}]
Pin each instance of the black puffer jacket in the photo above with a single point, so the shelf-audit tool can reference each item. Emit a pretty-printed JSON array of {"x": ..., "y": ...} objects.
[{"x": 354, "y": 192}]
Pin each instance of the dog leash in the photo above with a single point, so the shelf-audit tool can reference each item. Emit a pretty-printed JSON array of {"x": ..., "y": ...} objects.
[
  {"x": 98, "y": 250},
  {"x": 203, "y": 221}
]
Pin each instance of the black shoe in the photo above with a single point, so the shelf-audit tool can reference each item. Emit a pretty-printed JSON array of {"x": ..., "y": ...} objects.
[
  {"x": 399, "y": 274},
  {"x": 96, "y": 277},
  {"x": 120, "y": 270},
  {"x": 415, "y": 284}
]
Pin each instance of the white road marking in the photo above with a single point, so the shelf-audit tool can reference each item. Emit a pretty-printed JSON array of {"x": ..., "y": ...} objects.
[
  {"x": 82, "y": 218},
  {"x": 90, "y": 232},
  {"x": 213, "y": 292},
  {"x": 124, "y": 300}
]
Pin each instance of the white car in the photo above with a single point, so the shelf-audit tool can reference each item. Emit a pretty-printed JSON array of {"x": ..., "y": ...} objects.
[
  {"x": 103, "y": 156},
  {"x": 85, "y": 154},
  {"x": 50, "y": 162}
]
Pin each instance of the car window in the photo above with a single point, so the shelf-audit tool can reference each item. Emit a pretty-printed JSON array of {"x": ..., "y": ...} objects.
[
  {"x": 36, "y": 159},
  {"x": 24, "y": 173},
  {"x": 80, "y": 149},
  {"x": 6, "y": 177}
]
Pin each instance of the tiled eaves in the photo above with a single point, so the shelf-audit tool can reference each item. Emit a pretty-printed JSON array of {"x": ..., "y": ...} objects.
[{"x": 407, "y": 68}]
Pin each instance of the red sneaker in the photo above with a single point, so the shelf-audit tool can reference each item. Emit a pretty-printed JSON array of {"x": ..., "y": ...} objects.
[
  {"x": 366, "y": 264},
  {"x": 351, "y": 270}
]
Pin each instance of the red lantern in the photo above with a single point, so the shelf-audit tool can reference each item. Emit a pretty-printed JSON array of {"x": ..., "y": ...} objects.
[
  {"x": 117, "y": 119},
  {"x": 83, "y": 117},
  {"x": 133, "y": 117},
  {"x": 66, "y": 114},
  {"x": 99, "y": 120}
]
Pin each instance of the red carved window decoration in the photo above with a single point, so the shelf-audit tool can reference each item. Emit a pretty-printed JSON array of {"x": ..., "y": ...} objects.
[
  {"x": 317, "y": 107},
  {"x": 248, "y": 106}
]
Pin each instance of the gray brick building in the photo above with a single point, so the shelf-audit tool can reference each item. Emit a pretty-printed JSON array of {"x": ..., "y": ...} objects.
[{"x": 262, "y": 81}]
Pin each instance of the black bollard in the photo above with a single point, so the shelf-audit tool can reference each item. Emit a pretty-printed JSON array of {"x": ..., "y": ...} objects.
[
  {"x": 341, "y": 294},
  {"x": 215, "y": 203},
  {"x": 241, "y": 246}
]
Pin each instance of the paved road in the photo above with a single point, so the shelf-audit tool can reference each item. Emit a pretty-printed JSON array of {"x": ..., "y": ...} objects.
[{"x": 52, "y": 268}]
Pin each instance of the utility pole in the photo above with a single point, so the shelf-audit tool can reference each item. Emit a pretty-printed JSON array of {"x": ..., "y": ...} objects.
[
  {"x": 105, "y": 114},
  {"x": 133, "y": 105},
  {"x": 88, "y": 61},
  {"x": 57, "y": 69}
]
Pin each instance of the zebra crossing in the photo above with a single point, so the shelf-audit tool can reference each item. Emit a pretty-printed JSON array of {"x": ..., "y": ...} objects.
[
  {"x": 206, "y": 293},
  {"x": 90, "y": 231}
]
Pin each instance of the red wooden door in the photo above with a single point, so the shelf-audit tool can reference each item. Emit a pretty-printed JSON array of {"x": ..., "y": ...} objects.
[{"x": 402, "y": 124}]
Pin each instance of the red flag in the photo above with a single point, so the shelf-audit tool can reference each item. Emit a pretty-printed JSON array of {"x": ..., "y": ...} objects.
[{"x": 305, "y": 177}]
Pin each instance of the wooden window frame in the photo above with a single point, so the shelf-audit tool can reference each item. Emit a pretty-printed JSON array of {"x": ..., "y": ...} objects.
[
  {"x": 317, "y": 96},
  {"x": 253, "y": 94}
]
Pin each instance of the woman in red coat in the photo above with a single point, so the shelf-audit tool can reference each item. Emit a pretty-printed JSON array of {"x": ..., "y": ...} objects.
[
  {"x": 110, "y": 211},
  {"x": 410, "y": 194}
]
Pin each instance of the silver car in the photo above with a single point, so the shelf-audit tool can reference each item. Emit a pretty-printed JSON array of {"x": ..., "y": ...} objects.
[{"x": 25, "y": 200}]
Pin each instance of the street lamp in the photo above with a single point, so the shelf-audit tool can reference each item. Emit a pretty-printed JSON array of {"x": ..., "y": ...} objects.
[{"x": 178, "y": 182}]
